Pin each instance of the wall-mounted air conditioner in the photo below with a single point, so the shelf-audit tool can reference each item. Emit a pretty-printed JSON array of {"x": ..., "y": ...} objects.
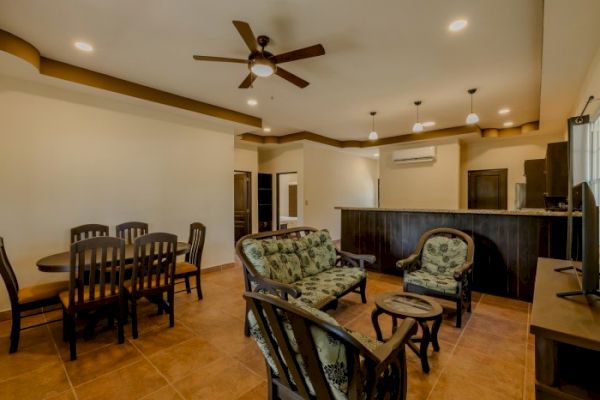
[{"x": 414, "y": 155}]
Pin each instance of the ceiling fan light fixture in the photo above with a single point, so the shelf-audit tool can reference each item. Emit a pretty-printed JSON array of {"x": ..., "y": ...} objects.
[{"x": 262, "y": 67}]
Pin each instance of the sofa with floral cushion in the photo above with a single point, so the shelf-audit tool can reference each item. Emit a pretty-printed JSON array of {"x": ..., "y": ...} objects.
[
  {"x": 302, "y": 265},
  {"x": 309, "y": 355},
  {"x": 442, "y": 266}
]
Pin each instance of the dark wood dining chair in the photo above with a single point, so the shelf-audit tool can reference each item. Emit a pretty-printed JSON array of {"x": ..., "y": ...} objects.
[
  {"x": 191, "y": 266},
  {"x": 102, "y": 259},
  {"x": 154, "y": 259},
  {"x": 129, "y": 231},
  {"x": 27, "y": 298},
  {"x": 88, "y": 231}
]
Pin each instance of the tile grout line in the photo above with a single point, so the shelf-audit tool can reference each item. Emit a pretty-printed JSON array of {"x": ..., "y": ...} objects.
[
  {"x": 454, "y": 348},
  {"x": 158, "y": 372},
  {"x": 62, "y": 364}
]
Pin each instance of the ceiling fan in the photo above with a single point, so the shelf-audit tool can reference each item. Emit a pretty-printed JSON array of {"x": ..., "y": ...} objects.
[{"x": 262, "y": 63}]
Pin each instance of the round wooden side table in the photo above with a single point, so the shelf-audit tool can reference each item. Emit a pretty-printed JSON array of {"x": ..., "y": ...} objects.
[{"x": 404, "y": 305}]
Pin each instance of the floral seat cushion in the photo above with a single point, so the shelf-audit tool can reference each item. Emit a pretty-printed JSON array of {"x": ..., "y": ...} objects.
[
  {"x": 442, "y": 255},
  {"x": 332, "y": 282},
  {"x": 331, "y": 352},
  {"x": 316, "y": 252},
  {"x": 436, "y": 282}
]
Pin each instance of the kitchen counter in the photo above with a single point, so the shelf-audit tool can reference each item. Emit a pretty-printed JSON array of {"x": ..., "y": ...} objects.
[
  {"x": 507, "y": 242},
  {"x": 524, "y": 211}
]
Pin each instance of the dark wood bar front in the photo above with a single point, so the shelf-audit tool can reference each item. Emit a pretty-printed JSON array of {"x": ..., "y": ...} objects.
[{"x": 507, "y": 243}]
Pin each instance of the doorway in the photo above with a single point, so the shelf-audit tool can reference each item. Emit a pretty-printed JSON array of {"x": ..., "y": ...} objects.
[
  {"x": 242, "y": 213},
  {"x": 487, "y": 189},
  {"x": 287, "y": 200}
]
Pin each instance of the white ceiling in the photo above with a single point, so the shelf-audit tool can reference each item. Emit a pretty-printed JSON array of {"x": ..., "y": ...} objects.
[{"x": 380, "y": 56}]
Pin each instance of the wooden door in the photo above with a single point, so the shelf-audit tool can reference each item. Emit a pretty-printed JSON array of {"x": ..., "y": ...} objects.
[
  {"x": 293, "y": 200},
  {"x": 487, "y": 189},
  {"x": 242, "y": 204}
]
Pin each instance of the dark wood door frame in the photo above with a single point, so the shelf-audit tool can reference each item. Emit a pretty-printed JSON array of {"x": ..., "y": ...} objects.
[
  {"x": 277, "y": 190},
  {"x": 502, "y": 176},
  {"x": 249, "y": 199}
]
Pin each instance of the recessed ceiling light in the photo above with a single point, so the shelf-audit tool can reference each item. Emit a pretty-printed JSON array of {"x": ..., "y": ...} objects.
[
  {"x": 252, "y": 102},
  {"x": 83, "y": 46},
  {"x": 508, "y": 124},
  {"x": 428, "y": 124},
  {"x": 458, "y": 25},
  {"x": 504, "y": 111},
  {"x": 267, "y": 129}
]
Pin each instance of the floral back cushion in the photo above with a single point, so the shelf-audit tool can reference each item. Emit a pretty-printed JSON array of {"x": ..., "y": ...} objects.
[
  {"x": 316, "y": 252},
  {"x": 441, "y": 255},
  {"x": 274, "y": 259}
]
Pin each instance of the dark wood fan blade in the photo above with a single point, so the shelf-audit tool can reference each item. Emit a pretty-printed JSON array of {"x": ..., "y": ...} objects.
[
  {"x": 248, "y": 81},
  {"x": 221, "y": 59},
  {"x": 307, "y": 52},
  {"x": 288, "y": 76},
  {"x": 246, "y": 34}
]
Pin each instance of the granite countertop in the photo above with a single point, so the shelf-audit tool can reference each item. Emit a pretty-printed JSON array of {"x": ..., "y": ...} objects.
[{"x": 525, "y": 212}]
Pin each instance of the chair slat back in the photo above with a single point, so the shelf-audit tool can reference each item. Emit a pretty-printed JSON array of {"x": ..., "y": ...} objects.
[
  {"x": 272, "y": 314},
  {"x": 131, "y": 231},
  {"x": 154, "y": 261},
  {"x": 9, "y": 277},
  {"x": 88, "y": 231},
  {"x": 102, "y": 261},
  {"x": 196, "y": 241}
]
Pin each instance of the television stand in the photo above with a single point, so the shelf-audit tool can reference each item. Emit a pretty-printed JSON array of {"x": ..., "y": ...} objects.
[
  {"x": 567, "y": 268},
  {"x": 578, "y": 293},
  {"x": 567, "y": 336}
]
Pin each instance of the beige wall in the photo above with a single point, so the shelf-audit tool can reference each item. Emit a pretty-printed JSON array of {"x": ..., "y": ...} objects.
[
  {"x": 421, "y": 185},
  {"x": 284, "y": 159},
  {"x": 590, "y": 87},
  {"x": 511, "y": 153},
  {"x": 68, "y": 159},
  {"x": 335, "y": 178},
  {"x": 246, "y": 159}
]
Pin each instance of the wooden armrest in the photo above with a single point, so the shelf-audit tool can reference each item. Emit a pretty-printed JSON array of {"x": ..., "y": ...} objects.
[
  {"x": 408, "y": 262},
  {"x": 389, "y": 350},
  {"x": 357, "y": 259},
  {"x": 460, "y": 272},
  {"x": 274, "y": 287}
]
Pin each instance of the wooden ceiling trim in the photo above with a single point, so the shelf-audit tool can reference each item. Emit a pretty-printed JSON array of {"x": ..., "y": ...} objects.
[
  {"x": 46, "y": 66},
  {"x": 314, "y": 137},
  {"x": 513, "y": 131},
  {"x": 412, "y": 137}
]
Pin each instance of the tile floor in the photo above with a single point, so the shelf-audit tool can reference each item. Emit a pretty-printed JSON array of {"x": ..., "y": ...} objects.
[{"x": 206, "y": 356}]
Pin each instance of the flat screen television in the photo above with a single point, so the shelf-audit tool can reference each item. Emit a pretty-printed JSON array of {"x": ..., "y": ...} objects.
[{"x": 590, "y": 263}]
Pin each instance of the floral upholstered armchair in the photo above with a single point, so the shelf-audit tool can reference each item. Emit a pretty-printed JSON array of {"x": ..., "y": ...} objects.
[
  {"x": 310, "y": 356},
  {"x": 442, "y": 266}
]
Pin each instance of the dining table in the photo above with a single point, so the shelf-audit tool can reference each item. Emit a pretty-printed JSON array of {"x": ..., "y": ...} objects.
[{"x": 61, "y": 262}]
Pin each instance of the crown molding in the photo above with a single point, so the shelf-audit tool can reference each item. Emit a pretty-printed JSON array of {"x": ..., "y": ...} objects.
[
  {"x": 408, "y": 138},
  {"x": 24, "y": 50}
]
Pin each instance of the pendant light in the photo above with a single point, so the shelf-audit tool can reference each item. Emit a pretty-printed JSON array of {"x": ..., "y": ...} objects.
[
  {"x": 418, "y": 126},
  {"x": 472, "y": 118},
  {"x": 373, "y": 134}
]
